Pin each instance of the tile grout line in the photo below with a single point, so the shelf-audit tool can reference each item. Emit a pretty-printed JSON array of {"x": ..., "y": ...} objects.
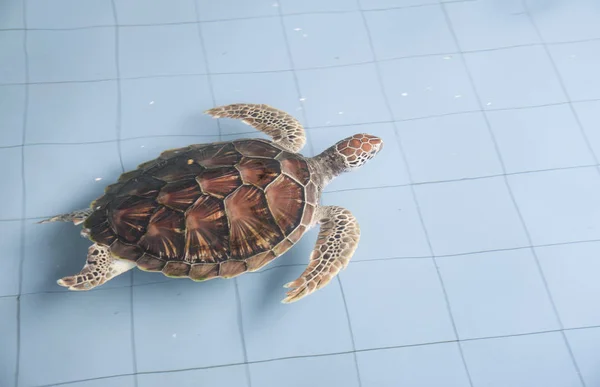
[
  {"x": 406, "y": 57},
  {"x": 238, "y": 305},
  {"x": 238, "y": 301},
  {"x": 320, "y": 355},
  {"x": 561, "y": 82},
  {"x": 208, "y": 73},
  {"x": 338, "y": 278},
  {"x": 595, "y": 157},
  {"x": 24, "y": 199},
  {"x": 353, "y": 262},
  {"x": 513, "y": 198},
  {"x": 120, "y": 152},
  {"x": 295, "y": 76},
  {"x": 198, "y": 21},
  {"x": 418, "y": 208},
  {"x": 352, "y": 340},
  {"x": 310, "y": 128},
  {"x": 400, "y": 186}
]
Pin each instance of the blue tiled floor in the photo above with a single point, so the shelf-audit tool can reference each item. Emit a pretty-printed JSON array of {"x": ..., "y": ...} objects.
[{"x": 480, "y": 251}]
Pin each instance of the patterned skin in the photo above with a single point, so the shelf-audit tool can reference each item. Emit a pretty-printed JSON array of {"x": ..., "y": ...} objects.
[{"x": 219, "y": 210}]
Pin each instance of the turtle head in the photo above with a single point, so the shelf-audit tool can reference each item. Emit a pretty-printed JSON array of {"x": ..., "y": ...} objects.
[
  {"x": 347, "y": 155},
  {"x": 355, "y": 151}
]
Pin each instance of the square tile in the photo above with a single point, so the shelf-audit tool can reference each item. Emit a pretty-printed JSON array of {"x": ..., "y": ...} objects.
[
  {"x": 389, "y": 221},
  {"x": 470, "y": 216},
  {"x": 489, "y": 24},
  {"x": 56, "y": 250},
  {"x": 12, "y": 15},
  {"x": 72, "y": 112},
  {"x": 412, "y": 366},
  {"x": 589, "y": 116},
  {"x": 63, "y": 178},
  {"x": 321, "y": 371},
  {"x": 412, "y": 31},
  {"x": 386, "y": 169},
  {"x": 68, "y": 13},
  {"x": 314, "y": 325},
  {"x": 577, "y": 64},
  {"x": 382, "y": 4},
  {"x": 563, "y": 21},
  {"x": 236, "y": 9},
  {"x": 211, "y": 377},
  {"x": 539, "y": 138},
  {"x": 174, "y": 319},
  {"x": 12, "y": 112},
  {"x": 161, "y": 12},
  {"x": 58, "y": 321},
  {"x": 559, "y": 206},
  {"x": 342, "y": 95},
  {"x": 497, "y": 294},
  {"x": 313, "y": 43},
  {"x": 140, "y": 150},
  {"x": 10, "y": 245},
  {"x": 12, "y": 57},
  {"x": 119, "y": 381},
  {"x": 571, "y": 272},
  {"x": 585, "y": 344},
  {"x": 171, "y": 105},
  {"x": 245, "y": 45},
  {"x": 436, "y": 148},
  {"x": 277, "y": 89},
  {"x": 12, "y": 192},
  {"x": 514, "y": 77},
  {"x": 427, "y": 86},
  {"x": 72, "y": 55},
  {"x": 521, "y": 361},
  {"x": 8, "y": 340},
  {"x": 160, "y": 50},
  {"x": 310, "y": 6},
  {"x": 412, "y": 293}
]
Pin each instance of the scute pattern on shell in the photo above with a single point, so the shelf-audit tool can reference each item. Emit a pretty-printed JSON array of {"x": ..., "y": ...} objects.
[{"x": 207, "y": 211}]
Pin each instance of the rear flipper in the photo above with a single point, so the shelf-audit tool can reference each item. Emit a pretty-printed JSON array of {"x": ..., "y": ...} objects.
[
  {"x": 99, "y": 268},
  {"x": 77, "y": 217}
]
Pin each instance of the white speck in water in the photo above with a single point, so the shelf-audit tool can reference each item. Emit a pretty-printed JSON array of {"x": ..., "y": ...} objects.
[
  {"x": 404, "y": 94},
  {"x": 275, "y": 5},
  {"x": 297, "y": 29},
  {"x": 142, "y": 146},
  {"x": 151, "y": 102},
  {"x": 457, "y": 96},
  {"x": 305, "y": 35},
  {"x": 428, "y": 88},
  {"x": 174, "y": 335},
  {"x": 340, "y": 113},
  {"x": 303, "y": 99},
  {"x": 448, "y": 57},
  {"x": 98, "y": 179},
  {"x": 488, "y": 104}
]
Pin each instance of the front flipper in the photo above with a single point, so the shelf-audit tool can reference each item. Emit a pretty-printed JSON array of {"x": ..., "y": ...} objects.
[
  {"x": 337, "y": 241},
  {"x": 285, "y": 130},
  {"x": 77, "y": 217},
  {"x": 99, "y": 268}
]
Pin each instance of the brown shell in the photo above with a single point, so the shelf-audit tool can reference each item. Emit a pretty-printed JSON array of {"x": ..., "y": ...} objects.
[{"x": 207, "y": 211}]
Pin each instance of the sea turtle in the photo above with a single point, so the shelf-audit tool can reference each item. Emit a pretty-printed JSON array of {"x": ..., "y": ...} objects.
[{"x": 222, "y": 209}]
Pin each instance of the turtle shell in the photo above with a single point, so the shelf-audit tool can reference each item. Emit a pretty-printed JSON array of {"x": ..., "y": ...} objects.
[{"x": 206, "y": 211}]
